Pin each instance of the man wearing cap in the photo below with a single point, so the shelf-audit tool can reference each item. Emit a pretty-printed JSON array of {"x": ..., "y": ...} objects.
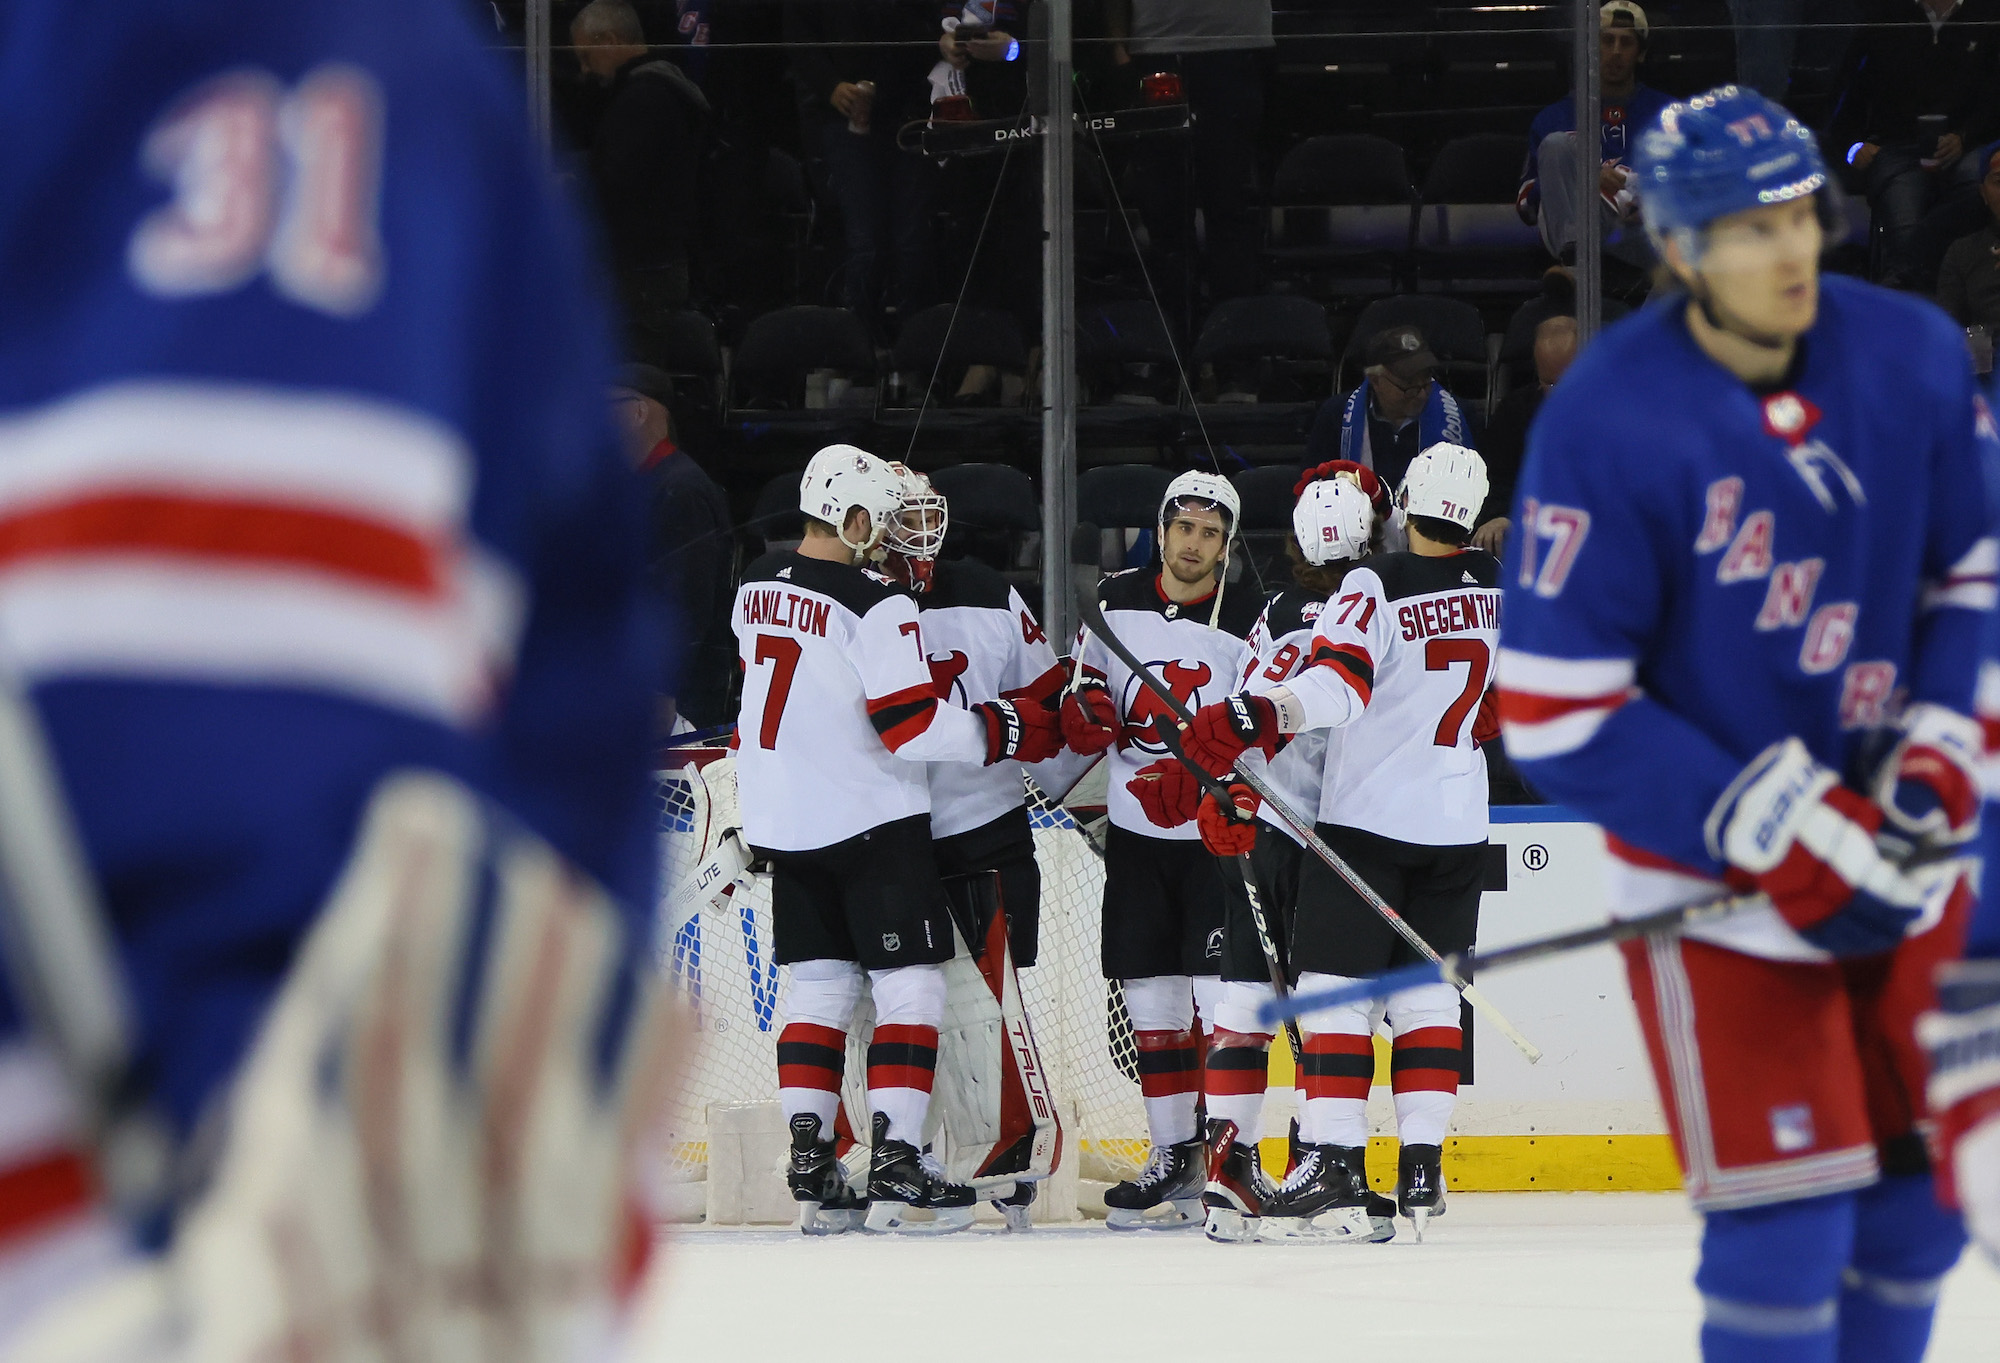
[
  {"x": 1550, "y": 196},
  {"x": 1969, "y": 283},
  {"x": 690, "y": 542},
  {"x": 1398, "y": 409}
]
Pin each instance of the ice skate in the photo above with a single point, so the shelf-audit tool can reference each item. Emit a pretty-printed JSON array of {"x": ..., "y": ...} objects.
[
  {"x": 1420, "y": 1184},
  {"x": 1014, "y": 1206},
  {"x": 1237, "y": 1187},
  {"x": 1381, "y": 1210},
  {"x": 827, "y": 1204},
  {"x": 1167, "y": 1193},
  {"x": 908, "y": 1193},
  {"x": 1323, "y": 1202}
]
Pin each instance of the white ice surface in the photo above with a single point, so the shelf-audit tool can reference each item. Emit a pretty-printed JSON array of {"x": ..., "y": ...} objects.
[{"x": 1548, "y": 1277}]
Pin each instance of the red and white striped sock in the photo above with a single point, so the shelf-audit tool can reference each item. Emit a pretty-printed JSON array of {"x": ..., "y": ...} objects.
[
  {"x": 1170, "y": 1081},
  {"x": 1234, "y": 1080},
  {"x": 811, "y": 1059},
  {"x": 902, "y": 1065},
  {"x": 1423, "y": 1071},
  {"x": 1337, "y": 1070}
]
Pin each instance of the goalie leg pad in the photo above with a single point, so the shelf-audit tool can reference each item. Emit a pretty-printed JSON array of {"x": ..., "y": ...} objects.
[
  {"x": 994, "y": 1102},
  {"x": 450, "y": 1088}
]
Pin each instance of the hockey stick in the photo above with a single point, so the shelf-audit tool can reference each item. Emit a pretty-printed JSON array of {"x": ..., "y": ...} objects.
[
  {"x": 1452, "y": 969},
  {"x": 1093, "y": 617},
  {"x": 63, "y": 962}
]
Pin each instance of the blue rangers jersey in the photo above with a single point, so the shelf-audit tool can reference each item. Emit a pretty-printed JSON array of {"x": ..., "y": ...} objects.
[
  {"x": 306, "y": 473},
  {"x": 1702, "y": 570}
]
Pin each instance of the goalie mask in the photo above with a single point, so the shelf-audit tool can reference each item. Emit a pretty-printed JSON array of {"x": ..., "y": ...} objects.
[
  {"x": 1447, "y": 483},
  {"x": 842, "y": 477},
  {"x": 915, "y": 534},
  {"x": 1333, "y": 521}
]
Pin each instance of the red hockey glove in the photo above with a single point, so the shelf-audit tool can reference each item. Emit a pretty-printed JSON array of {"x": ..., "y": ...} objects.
[
  {"x": 1089, "y": 719},
  {"x": 1962, "y": 1038},
  {"x": 1486, "y": 723},
  {"x": 1023, "y": 731},
  {"x": 1927, "y": 784},
  {"x": 1809, "y": 843},
  {"x": 1167, "y": 791},
  {"x": 1222, "y": 731},
  {"x": 1226, "y": 833}
]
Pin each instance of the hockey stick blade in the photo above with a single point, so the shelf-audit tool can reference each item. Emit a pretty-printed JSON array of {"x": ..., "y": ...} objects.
[{"x": 1093, "y": 619}]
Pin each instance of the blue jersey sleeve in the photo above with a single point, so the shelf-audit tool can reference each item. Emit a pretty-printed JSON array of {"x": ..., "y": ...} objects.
[
  {"x": 1960, "y": 555},
  {"x": 1588, "y": 584}
]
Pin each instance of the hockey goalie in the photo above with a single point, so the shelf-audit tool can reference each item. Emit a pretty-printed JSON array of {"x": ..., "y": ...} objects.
[{"x": 326, "y": 682}]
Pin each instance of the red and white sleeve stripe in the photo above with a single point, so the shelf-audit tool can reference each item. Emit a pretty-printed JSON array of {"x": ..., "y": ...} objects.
[
  {"x": 1973, "y": 582},
  {"x": 219, "y": 533},
  {"x": 1552, "y": 706}
]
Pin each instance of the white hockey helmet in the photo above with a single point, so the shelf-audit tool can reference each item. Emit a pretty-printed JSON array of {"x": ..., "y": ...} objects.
[
  {"x": 1447, "y": 482},
  {"x": 915, "y": 534},
  {"x": 1333, "y": 520},
  {"x": 842, "y": 477},
  {"x": 1216, "y": 491}
]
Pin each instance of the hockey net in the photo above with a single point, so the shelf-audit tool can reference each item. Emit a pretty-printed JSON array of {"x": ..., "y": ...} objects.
[{"x": 721, "y": 958}]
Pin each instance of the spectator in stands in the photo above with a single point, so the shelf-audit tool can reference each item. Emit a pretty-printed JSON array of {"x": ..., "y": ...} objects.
[
  {"x": 1550, "y": 195},
  {"x": 644, "y": 158},
  {"x": 1223, "y": 51},
  {"x": 1969, "y": 282},
  {"x": 692, "y": 544},
  {"x": 1767, "y": 33},
  {"x": 1399, "y": 409},
  {"x": 1506, "y": 436},
  {"x": 862, "y": 71},
  {"x": 1921, "y": 87}
]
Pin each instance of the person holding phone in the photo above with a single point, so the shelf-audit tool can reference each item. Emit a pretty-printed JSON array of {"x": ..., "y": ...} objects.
[{"x": 1920, "y": 89}]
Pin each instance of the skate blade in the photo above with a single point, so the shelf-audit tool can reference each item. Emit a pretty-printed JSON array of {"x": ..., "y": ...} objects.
[
  {"x": 1335, "y": 1226},
  {"x": 1381, "y": 1229},
  {"x": 1178, "y": 1215},
  {"x": 900, "y": 1218},
  {"x": 815, "y": 1219},
  {"x": 1017, "y": 1217},
  {"x": 1420, "y": 1216},
  {"x": 1228, "y": 1226}
]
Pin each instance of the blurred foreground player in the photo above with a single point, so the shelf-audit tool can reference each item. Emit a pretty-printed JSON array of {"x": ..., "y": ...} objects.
[
  {"x": 322, "y": 583},
  {"x": 1744, "y": 615},
  {"x": 840, "y": 714}
]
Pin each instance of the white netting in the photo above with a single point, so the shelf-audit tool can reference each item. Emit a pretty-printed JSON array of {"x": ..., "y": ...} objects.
[{"x": 723, "y": 960}]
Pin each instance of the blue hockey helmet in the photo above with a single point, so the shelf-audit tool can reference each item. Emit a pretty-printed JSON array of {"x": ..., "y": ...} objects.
[{"x": 1722, "y": 152}]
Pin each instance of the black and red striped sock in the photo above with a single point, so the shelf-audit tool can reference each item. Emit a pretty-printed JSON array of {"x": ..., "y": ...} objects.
[
  {"x": 1423, "y": 1071},
  {"x": 902, "y": 1065},
  {"x": 811, "y": 1059},
  {"x": 1337, "y": 1070},
  {"x": 1234, "y": 1080},
  {"x": 1170, "y": 1082}
]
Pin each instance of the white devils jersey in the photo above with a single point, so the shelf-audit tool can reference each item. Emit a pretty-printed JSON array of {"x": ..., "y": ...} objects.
[
  {"x": 1282, "y": 641},
  {"x": 839, "y": 710},
  {"x": 983, "y": 644},
  {"x": 1198, "y": 664},
  {"x": 1403, "y": 656}
]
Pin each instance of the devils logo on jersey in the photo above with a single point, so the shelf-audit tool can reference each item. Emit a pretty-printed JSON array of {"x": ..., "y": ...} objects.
[
  {"x": 946, "y": 669},
  {"x": 1144, "y": 710}
]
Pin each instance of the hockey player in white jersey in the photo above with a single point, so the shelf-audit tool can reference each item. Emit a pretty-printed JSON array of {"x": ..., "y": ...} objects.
[
  {"x": 1335, "y": 528},
  {"x": 983, "y": 644},
  {"x": 1401, "y": 665},
  {"x": 1164, "y": 895},
  {"x": 840, "y": 712}
]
